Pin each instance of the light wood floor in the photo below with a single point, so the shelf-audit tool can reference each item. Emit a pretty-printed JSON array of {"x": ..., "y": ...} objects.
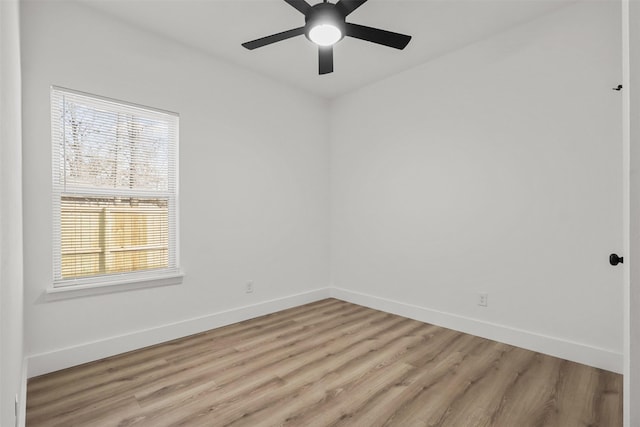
[{"x": 328, "y": 363}]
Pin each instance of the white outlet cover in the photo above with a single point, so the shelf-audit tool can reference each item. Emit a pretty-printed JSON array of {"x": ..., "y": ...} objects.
[{"x": 483, "y": 299}]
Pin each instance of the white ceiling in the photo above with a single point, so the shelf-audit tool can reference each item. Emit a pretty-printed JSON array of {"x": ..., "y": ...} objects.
[{"x": 218, "y": 27}]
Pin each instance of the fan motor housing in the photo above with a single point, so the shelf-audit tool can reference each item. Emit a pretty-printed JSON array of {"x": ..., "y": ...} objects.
[{"x": 324, "y": 13}]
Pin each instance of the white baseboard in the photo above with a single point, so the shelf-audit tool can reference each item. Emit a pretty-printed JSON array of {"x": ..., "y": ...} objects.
[
  {"x": 553, "y": 346},
  {"x": 43, "y": 363},
  {"x": 39, "y": 364}
]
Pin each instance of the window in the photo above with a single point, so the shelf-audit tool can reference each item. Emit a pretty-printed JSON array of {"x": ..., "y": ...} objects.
[{"x": 114, "y": 191}]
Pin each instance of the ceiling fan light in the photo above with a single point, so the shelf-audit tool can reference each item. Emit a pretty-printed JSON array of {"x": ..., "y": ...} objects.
[{"x": 325, "y": 34}]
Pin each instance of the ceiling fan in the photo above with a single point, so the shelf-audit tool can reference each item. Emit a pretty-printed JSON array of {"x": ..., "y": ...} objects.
[{"x": 325, "y": 25}]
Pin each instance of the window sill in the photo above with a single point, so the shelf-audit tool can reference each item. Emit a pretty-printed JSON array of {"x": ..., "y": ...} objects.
[{"x": 111, "y": 285}]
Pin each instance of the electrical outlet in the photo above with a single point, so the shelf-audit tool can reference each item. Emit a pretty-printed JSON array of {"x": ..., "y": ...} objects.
[
  {"x": 483, "y": 299},
  {"x": 248, "y": 288}
]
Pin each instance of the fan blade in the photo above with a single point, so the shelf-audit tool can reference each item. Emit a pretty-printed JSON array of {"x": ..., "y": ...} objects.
[
  {"x": 347, "y": 6},
  {"x": 325, "y": 59},
  {"x": 273, "y": 38},
  {"x": 376, "y": 35},
  {"x": 301, "y": 5}
]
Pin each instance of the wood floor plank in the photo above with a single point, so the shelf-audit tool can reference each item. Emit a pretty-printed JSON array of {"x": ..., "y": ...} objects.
[
  {"x": 476, "y": 408},
  {"x": 91, "y": 392},
  {"x": 331, "y": 399},
  {"x": 533, "y": 399},
  {"x": 331, "y": 379},
  {"x": 429, "y": 399},
  {"x": 343, "y": 350},
  {"x": 328, "y": 363},
  {"x": 327, "y": 307}
]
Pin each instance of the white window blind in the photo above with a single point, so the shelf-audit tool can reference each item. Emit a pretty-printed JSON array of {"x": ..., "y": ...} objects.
[{"x": 114, "y": 190}]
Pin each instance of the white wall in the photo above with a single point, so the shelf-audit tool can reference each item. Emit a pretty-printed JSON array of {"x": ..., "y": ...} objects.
[
  {"x": 253, "y": 184},
  {"x": 11, "y": 303},
  {"x": 496, "y": 168}
]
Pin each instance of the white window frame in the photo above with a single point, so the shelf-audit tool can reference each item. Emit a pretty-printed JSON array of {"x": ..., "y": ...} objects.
[{"x": 105, "y": 283}]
